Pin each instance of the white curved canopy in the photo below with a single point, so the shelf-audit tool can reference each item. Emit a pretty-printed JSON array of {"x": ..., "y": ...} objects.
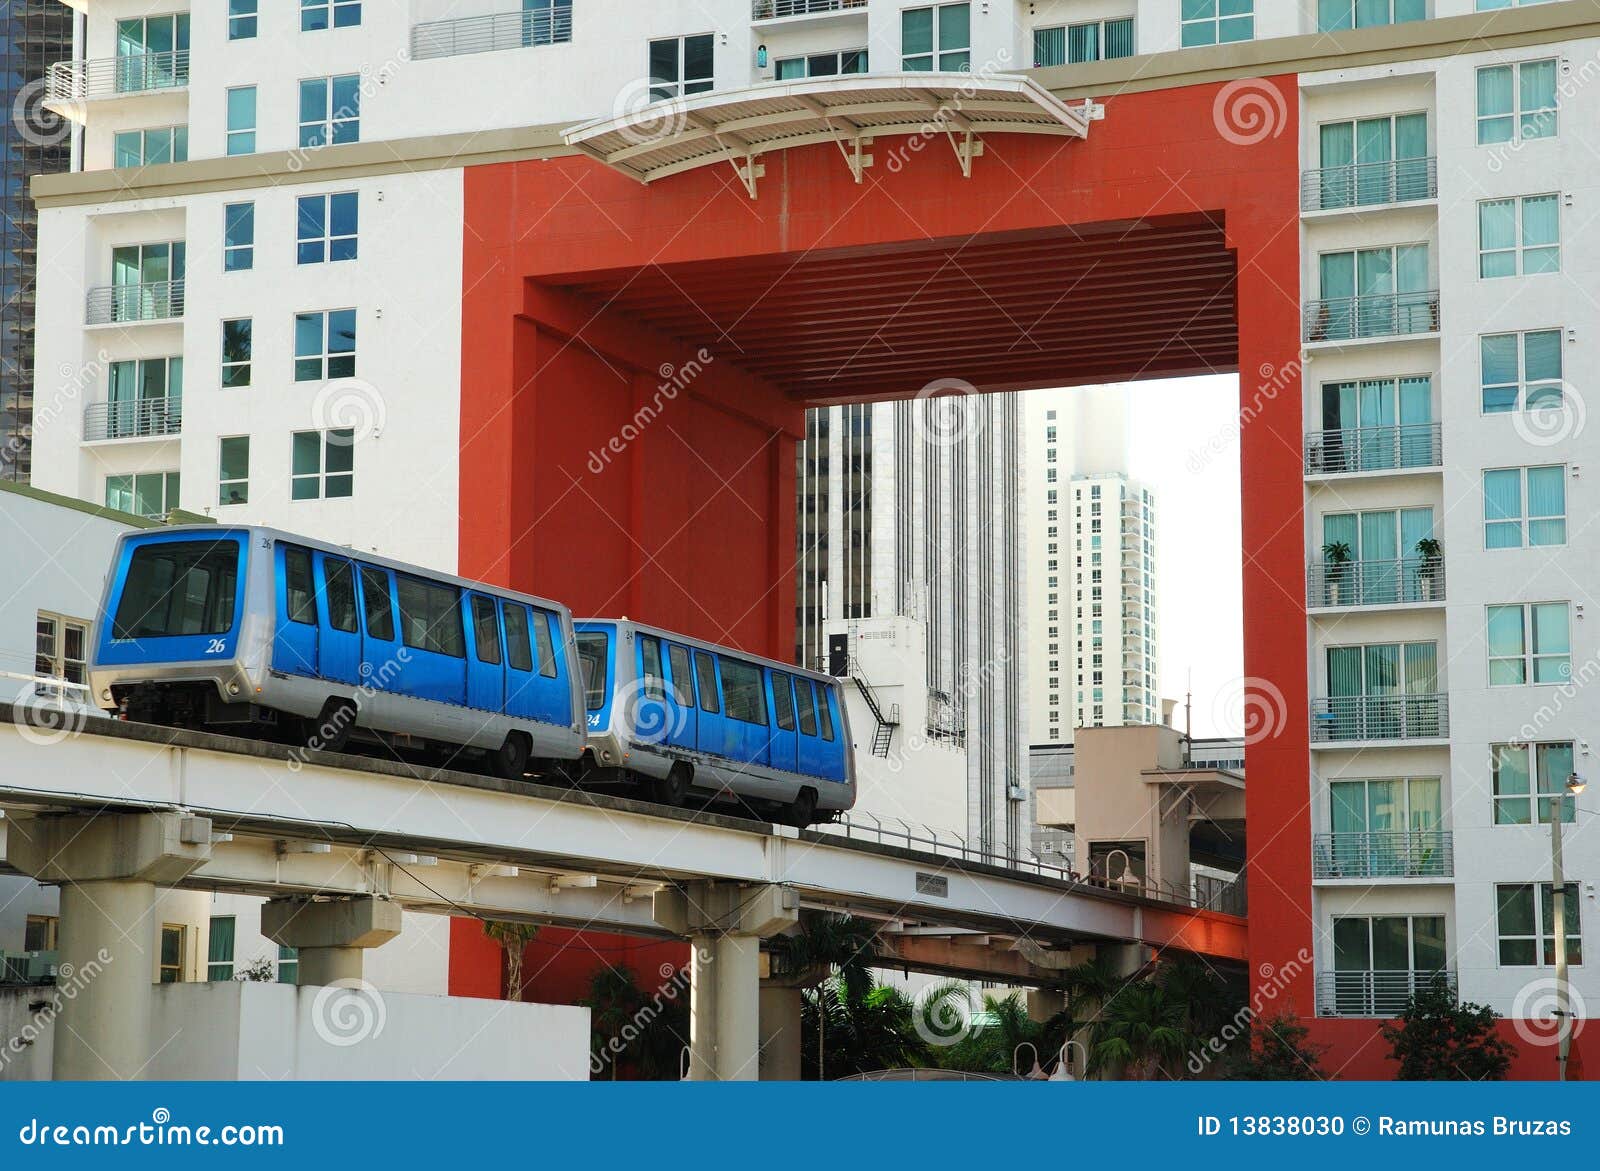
[{"x": 738, "y": 126}]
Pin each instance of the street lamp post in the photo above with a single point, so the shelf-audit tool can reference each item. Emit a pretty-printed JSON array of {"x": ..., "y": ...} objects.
[{"x": 1558, "y": 903}]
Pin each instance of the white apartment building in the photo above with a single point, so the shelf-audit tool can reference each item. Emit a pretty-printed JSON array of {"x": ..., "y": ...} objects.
[{"x": 1091, "y": 568}]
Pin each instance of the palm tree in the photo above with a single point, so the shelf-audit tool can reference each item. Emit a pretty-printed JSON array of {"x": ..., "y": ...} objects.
[
  {"x": 628, "y": 1027},
  {"x": 865, "y": 1029},
  {"x": 1142, "y": 1033},
  {"x": 513, "y": 939},
  {"x": 829, "y": 946}
]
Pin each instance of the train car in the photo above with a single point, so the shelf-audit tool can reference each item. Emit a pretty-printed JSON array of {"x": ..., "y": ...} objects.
[
  {"x": 250, "y": 630},
  {"x": 679, "y": 715}
]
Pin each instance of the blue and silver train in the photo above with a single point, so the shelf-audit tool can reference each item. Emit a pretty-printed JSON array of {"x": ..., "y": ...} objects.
[
  {"x": 254, "y": 631},
  {"x": 689, "y": 715}
]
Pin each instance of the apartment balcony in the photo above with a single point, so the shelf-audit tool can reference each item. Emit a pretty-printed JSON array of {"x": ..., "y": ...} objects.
[
  {"x": 490, "y": 34},
  {"x": 1423, "y": 853},
  {"x": 145, "y": 418},
  {"x": 1350, "y": 585},
  {"x": 126, "y": 304},
  {"x": 803, "y": 12},
  {"x": 1374, "y": 994},
  {"x": 1354, "y": 719},
  {"x": 1377, "y": 316},
  {"x": 1367, "y": 186},
  {"x": 100, "y": 78},
  {"x": 1352, "y": 450}
]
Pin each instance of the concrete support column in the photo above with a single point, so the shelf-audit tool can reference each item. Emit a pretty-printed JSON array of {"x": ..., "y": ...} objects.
[
  {"x": 780, "y": 1033},
  {"x": 330, "y": 935},
  {"x": 108, "y": 867},
  {"x": 726, "y": 923}
]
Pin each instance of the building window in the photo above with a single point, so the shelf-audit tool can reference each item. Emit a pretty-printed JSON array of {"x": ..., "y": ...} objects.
[
  {"x": 146, "y": 148},
  {"x": 58, "y": 650},
  {"x": 174, "y": 940},
  {"x": 1095, "y": 40},
  {"x": 219, "y": 949},
  {"x": 323, "y": 464},
  {"x": 1513, "y": 767},
  {"x": 241, "y": 19},
  {"x": 330, "y": 110},
  {"x": 233, "y": 469},
  {"x": 144, "y": 396},
  {"x": 822, "y": 64},
  {"x": 1520, "y": 371},
  {"x": 316, "y": 15},
  {"x": 236, "y": 352},
  {"x": 1519, "y": 237},
  {"x": 288, "y": 964},
  {"x": 238, "y": 237},
  {"x": 1527, "y": 926},
  {"x": 1217, "y": 22},
  {"x": 39, "y": 932},
  {"x": 148, "y": 494},
  {"x": 1529, "y": 644},
  {"x": 1517, "y": 103},
  {"x": 242, "y": 120},
  {"x": 937, "y": 38},
  {"x": 1525, "y": 507},
  {"x": 324, "y": 345},
  {"x": 1338, "y": 14},
  {"x": 327, "y": 228},
  {"x": 680, "y": 66}
]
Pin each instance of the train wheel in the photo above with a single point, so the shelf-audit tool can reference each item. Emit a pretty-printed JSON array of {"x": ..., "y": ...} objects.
[
  {"x": 510, "y": 760},
  {"x": 803, "y": 809},
  {"x": 672, "y": 789}
]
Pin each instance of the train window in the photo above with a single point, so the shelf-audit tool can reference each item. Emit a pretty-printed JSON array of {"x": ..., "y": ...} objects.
[
  {"x": 518, "y": 653},
  {"x": 783, "y": 700},
  {"x": 682, "y": 687},
  {"x": 742, "y": 691},
  {"x": 547, "y": 647},
  {"x": 824, "y": 712},
  {"x": 650, "y": 667},
  {"x": 430, "y": 616},
  {"x": 485, "y": 630},
  {"x": 298, "y": 593},
  {"x": 806, "y": 706},
  {"x": 340, "y": 595},
  {"x": 178, "y": 587},
  {"x": 379, "y": 610},
  {"x": 705, "y": 670},
  {"x": 593, "y": 651}
]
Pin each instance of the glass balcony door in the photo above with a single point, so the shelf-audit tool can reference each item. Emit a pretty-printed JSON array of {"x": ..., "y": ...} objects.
[
  {"x": 1384, "y": 565},
  {"x": 1374, "y": 161},
  {"x": 1383, "y": 691},
  {"x": 1375, "y": 291},
  {"x": 1378, "y": 961},
  {"x": 1384, "y": 827},
  {"x": 144, "y": 280},
  {"x": 152, "y": 52}
]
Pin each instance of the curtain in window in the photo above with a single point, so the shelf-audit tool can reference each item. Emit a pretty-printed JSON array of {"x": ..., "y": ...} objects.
[
  {"x": 1541, "y": 367},
  {"x": 1509, "y": 765},
  {"x": 219, "y": 951},
  {"x": 1427, "y": 943},
  {"x": 1554, "y": 767},
  {"x": 1334, "y": 14},
  {"x": 1374, "y": 149},
  {"x": 1377, "y": 554},
  {"x": 1422, "y": 706},
  {"x": 1538, "y": 91},
  {"x": 1049, "y": 46},
  {"x": 1337, "y": 283},
  {"x": 1083, "y": 43},
  {"x": 1348, "y": 807},
  {"x": 1377, "y": 418},
  {"x": 1425, "y": 804},
  {"x": 1338, "y": 153},
  {"x": 1119, "y": 38},
  {"x": 1411, "y": 154},
  {"x": 1501, "y": 370},
  {"x": 1416, "y": 422},
  {"x": 1552, "y": 643},
  {"x": 1494, "y": 105},
  {"x": 1375, "y": 277},
  {"x": 1416, "y": 525},
  {"x": 1497, "y": 237},
  {"x": 1547, "y": 506},
  {"x": 1506, "y": 646},
  {"x": 1541, "y": 234}
]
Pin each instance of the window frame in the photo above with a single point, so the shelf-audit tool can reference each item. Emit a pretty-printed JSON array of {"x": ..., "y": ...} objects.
[
  {"x": 337, "y": 124},
  {"x": 240, "y": 14},
  {"x": 1543, "y": 929},
  {"x": 1520, "y": 248},
  {"x": 55, "y": 662},
  {"x": 325, "y": 245},
  {"x": 329, "y": 362},
  {"x": 247, "y": 248},
  {"x": 1531, "y": 752},
  {"x": 936, "y": 53},
  {"x": 1528, "y": 657},
  {"x": 235, "y": 372},
  {"x": 1524, "y": 519},
  {"x": 681, "y": 86},
  {"x": 1213, "y": 21},
  {"x": 239, "y": 140},
  {"x": 1517, "y": 115},
  {"x": 323, "y": 477},
  {"x": 1545, "y": 386},
  {"x": 336, "y": 14},
  {"x": 224, "y": 482}
]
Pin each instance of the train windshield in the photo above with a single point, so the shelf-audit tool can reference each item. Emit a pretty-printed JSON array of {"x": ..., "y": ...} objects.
[
  {"x": 178, "y": 588},
  {"x": 592, "y": 653}
]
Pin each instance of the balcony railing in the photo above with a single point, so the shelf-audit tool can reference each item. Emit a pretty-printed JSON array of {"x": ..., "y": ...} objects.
[
  {"x": 1369, "y": 184},
  {"x": 488, "y": 34},
  {"x": 133, "y": 419},
  {"x": 1380, "y": 994},
  {"x": 1379, "y": 717},
  {"x": 775, "y": 9},
  {"x": 149, "y": 301},
  {"x": 1375, "y": 583},
  {"x": 1342, "y": 319},
  {"x": 1373, "y": 449},
  {"x": 1420, "y": 853},
  {"x": 109, "y": 77}
]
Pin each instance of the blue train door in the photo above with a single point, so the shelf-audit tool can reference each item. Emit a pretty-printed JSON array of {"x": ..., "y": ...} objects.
[
  {"x": 805, "y": 706},
  {"x": 682, "y": 732},
  {"x": 339, "y": 654},
  {"x": 709, "y": 719},
  {"x": 294, "y": 643},
  {"x": 784, "y": 744},
  {"x": 380, "y": 648},
  {"x": 552, "y": 693},
  {"x": 486, "y": 690},
  {"x": 521, "y": 677},
  {"x": 652, "y": 719}
]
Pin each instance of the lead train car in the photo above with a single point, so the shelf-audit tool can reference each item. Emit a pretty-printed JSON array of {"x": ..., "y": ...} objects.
[
  {"x": 683, "y": 714},
  {"x": 251, "y": 629}
]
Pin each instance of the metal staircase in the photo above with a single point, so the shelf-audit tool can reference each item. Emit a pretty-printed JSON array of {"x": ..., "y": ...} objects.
[{"x": 887, "y": 721}]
